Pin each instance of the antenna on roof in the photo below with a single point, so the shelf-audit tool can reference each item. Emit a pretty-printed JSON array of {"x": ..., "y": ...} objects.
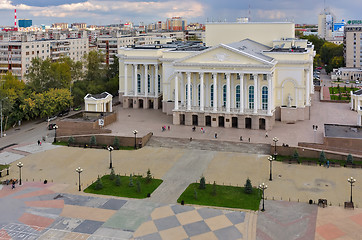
[{"x": 249, "y": 13}]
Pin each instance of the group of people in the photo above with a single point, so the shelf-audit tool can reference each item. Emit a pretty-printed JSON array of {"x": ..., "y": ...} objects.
[
  {"x": 164, "y": 128},
  {"x": 201, "y": 129},
  {"x": 39, "y": 143}
]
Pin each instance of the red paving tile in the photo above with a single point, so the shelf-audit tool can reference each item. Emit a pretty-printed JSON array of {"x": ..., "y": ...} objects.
[
  {"x": 4, "y": 234},
  {"x": 357, "y": 219},
  {"x": 35, "y": 220},
  {"x": 46, "y": 204},
  {"x": 6, "y": 191},
  {"x": 330, "y": 231},
  {"x": 36, "y": 193}
]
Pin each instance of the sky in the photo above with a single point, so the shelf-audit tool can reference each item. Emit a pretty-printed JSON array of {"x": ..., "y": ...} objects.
[{"x": 101, "y": 12}]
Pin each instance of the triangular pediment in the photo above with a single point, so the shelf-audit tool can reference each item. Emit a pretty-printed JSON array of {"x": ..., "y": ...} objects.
[{"x": 223, "y": 54}]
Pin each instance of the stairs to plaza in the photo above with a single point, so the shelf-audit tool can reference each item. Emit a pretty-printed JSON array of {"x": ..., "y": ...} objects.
[{"x": 212, "y": 145}]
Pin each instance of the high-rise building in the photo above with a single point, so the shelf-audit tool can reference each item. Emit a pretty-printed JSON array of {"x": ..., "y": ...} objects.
[
  {"x": 25, "y": 23},
  {"x": 325, "y": 24},
  {"x": 353, "y": 44},
  {"x": 176, "y": 24}
]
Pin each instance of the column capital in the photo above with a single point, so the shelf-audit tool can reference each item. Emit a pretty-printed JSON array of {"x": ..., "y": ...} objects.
[
  {"x": 188, "y": 74},
  {"x": 227, "y": 74},
  {"x": 214, "y": 74},
  {"x": 201, "y": 74}
]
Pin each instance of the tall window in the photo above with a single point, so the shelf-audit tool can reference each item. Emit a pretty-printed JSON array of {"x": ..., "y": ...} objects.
[
  {"x": 264, "y": 98},
  {"x": 149, "y": 83},
  {"x": 186, "y": 89},
  {"x": 138, "y": 83},
  {"x": 251, "y": 77},
  {"x": 237, "y": 96},
  {"x": 212, "y": 95},
  {"x": 251, "y": 97},
  {"x": 159, "y": 83},
  {"x": 198, "y": 94},
  {"x": 224, "y": 95}
]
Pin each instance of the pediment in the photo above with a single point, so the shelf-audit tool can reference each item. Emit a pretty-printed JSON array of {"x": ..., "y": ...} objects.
[{"x": 223, "y": 55}]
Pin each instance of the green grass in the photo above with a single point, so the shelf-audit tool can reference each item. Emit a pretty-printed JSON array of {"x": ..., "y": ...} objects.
[
  {"x": 2, "y": 167},
  {"x": 124, "y": 190},
  {"x": 304, "y": 159},
  {"x": 226, "y": 196},
  {"x": 334, "y": 90},
  {"x": 62, "y": 143},
  {"x": 336, "y": 97}
]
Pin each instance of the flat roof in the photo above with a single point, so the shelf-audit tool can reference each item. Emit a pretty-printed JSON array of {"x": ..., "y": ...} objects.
[{"x": 343, "y": 131}]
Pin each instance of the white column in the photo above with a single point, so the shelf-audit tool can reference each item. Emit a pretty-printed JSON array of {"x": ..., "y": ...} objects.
[
  {"x": 188, "y": 91},
  {"x": 307, "y": 90},
  {"x": 202, "y": 92},
  {"x": 156, "y": 80},
  {"x": 125, "y": 80},
  {"x": 214, "y": 76},
  {"x": 270, "y": 94},
  {"x": 182, "y": 89},
  {"x": 146, "y": 80},
  {"x": 241, "y": 92},
  {"x": 228, "y": 92},
  {"x": 176, "y": 91},
  {"x": 135, "y": 80},
  {"x": 255, "y": 93}
]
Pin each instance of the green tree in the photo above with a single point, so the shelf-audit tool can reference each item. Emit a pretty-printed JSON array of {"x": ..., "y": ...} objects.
[
  {"x": 130, "y": 184},
  {"x": 195, "y": 194},
  {"x": 118, "y": 180},
  {"x": 213, "y": 193},
  {"x": 99, "y": 184},
  {"x": 202, "y": 183},
  {"x": 317, "y": 42},
  {"x": 71, "y": 140},
  {"x": 116, "y": 143},
  {"x": 148, "y": 176},
  {"x": 138, "y": 184},
  {"x": 93, "y": 140},
  {"x": 296, "y": 156},
  {"x": 322, "y": 158},
  {"x": 95, "y": 70},
  {"x": 112, "y": 176},
  {"x": 349, "y": 159},
  {"x": 248, "y": 188}
]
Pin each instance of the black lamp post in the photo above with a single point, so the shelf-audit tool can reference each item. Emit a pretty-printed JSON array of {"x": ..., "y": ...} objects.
[
  {"x": 79, "y": 170},
  {"x": 20, "y": 165},
  {"x": 55, "y": 133},
  {"x": 351, "y": 181},
  {"x": 135, "y": 138},
  {"x": 271, "y": 159},
  {"x": 275, "y": 140},
  {"x": 263, "y": 187},
  {"x": 110, "y": 149}
]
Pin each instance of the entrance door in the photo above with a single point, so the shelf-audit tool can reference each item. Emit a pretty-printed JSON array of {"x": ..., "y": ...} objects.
[
  {"x": 130, "y": 103},
  {"x": 150, "y": 104},
  {"x": 262, "y": 123},
  {"x": 182, "y": 119},
  {"x": 140, "y": 103},
  {"x": 248, "y": 123},
  {"x": 195, "y": 120},
  {"x": 234, "y": 122},
  {"x": 208, "y": 121},
  {"x": 221, "y": 121}
]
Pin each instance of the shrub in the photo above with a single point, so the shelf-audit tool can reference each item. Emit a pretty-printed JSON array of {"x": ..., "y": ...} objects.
[
  {"x": 296, "y": 155},
  {"x": 93, "y": 140},
  {"x": 71, "y": 140},
  {"x": 138, "y": 184},
  {"x": 130, "y": 181},
  {"x": 149, "y": 176},
  {"x": 248, "y": 187},
  {"x": 202, "y": 183},
  {"x": 349, "y": 159},
  {"x": 116, "y": 143},
  {"x": 213, "y": 193},
  {"x": 195, "y": 194},
  {"x": 112, "y": 175},
  {"x": 99, "y": 184},
  {"x": 322, "y": 158},
  {"x": 118, "y": 180}
]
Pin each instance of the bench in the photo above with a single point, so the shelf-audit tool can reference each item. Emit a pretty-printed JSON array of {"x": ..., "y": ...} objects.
[
  {"x": 322, "y": 202},
  {"x": 348, "y": 205}
]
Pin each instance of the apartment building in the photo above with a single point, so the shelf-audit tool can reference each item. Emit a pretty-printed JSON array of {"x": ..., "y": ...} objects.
[{"x": 353, "y": 44}]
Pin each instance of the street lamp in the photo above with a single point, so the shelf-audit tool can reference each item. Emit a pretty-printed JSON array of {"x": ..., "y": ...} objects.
[
  {"x": 1, "y": 116},
  {"x": 135, "y": 138},
  {"x": 110, "y": 149},
  {"x": 271, "y": 159},
  {"x": 275, "y": 140},
  {"x": 79, "y": 170},
  {"x": 55, "y": 132},
  {"x": 20, "y": 165},
  {"x": 351, "y": 181},
  {"x": 263, "y": 187},
  {"x": 315, "y": 128}
]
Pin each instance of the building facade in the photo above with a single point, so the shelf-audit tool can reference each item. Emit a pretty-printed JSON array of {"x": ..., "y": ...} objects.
[
  {"x": 353, "y": 44},
  {"x": 243, "y": 84}
]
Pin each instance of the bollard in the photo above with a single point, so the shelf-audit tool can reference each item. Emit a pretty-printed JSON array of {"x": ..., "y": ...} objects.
[
  {"x": 289, "y": 199},
  {"x": 273, "y": 198},
  {"x": 298, "y": 199}
]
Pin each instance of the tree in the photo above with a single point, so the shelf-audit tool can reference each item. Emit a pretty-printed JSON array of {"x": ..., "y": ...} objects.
[
  {"x": 118, "y": 180},
  {"x": 95, "y": 70},
  {"x": 248, "y": 188},
  {"x": 93, "y": 140},
  {"x": 322, "y": 158},
  {"x": 317, "y": 42},
  {"x": 112, "y": 176},
  {"x": 116, "y": 143},
  {"x": 195, "y": 194},
  {"x": 71, "y": 140},
  {"x": 349, "y": 159},
  {"x": 202, "y": 183},
  {"x": 296, "y": 156},
  {"x": 99, "y": 184},
  {"x": 148, "y": 176},
  {"x": 213, "y": 193},
  {"x": 138, "y": 184},
  {"x": 130, "y": 184}
]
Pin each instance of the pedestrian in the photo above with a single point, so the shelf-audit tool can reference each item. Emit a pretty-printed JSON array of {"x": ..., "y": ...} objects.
[
  {"x": 215, "y": 135},
  {"x": 327, "y": 163},
  {"x": 169, "y": 128},
  {"x": 190, "y": 139},
  {"x": 202, "y": 130},
  {"x": 249, "y": 139},
  {"x": 38, "y": 142},
  {"x": 266, "y": 134},
  {"x": 13, "y": 185},
  {"x": 241, "y": 138}
]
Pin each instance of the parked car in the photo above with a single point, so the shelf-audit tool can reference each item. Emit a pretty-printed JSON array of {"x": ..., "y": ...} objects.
[
  {"x": 319, "y": 68},
  {"x": 63, "y": 113},
  {"x": 347, "y": 82},
  {"x": 357, "y": 82},
  {"x": 77, "y": 108},
  {"x": 51, "y": 126},
  {"x": 51, "y": 118}
]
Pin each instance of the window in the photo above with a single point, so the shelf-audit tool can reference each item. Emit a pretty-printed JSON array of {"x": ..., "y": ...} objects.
[
  {"x": 224, "y": 95},
  {"x": 237, "y": 96},
  {"x": 27, "y": 53},
  {"x": 138, "y": 83},
  {"x": 265, "y": 77},
  {"x": 212, "y": 95},
  {"x": 198, "y": 94},
  {"x": 251, "y": 77},
  {"x": 159, "y": 83},
  {"x": 264, "y": 98},
  {"x": 251, "y": 97},
  {"x": 149, "y": 83}
]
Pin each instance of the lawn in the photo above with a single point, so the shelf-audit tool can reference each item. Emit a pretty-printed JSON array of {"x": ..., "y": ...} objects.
[
  {"x": 2, "y": 167},
  {"x": 334, "y": 90},
  {"x": 304, "y": 159},
  {"x": 226, "y": 196},
  {"x": 124, "y": 190}
]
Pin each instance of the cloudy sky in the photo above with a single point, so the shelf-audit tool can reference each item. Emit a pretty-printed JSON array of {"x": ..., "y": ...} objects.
[{"x": 114, "y": 11}]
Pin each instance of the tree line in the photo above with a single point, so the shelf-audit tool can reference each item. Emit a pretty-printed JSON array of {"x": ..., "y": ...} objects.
[{"x": 52, "y": 87}]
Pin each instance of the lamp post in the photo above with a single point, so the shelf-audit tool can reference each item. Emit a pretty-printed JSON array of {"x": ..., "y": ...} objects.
[
  {"x": 263, "y": 187},
  {"x": 79, "y": 170},
  {"x": 275, "y": 140},
  {"x": 55, "y": 133},
  {"x": 135, "y": 138},
  {"x": 351, "y": 181},
  {"x": 20, "y": 165},
  {"x": 271, "y": 159},
  {"x": 110, "y": 149}
]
